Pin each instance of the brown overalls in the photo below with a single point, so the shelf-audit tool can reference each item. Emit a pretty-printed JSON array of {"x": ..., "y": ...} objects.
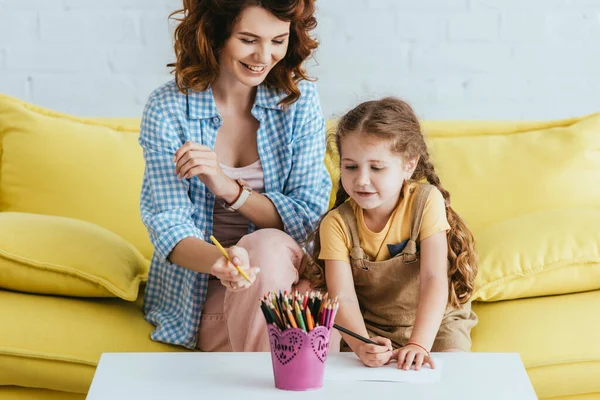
[{"x": 388, "y": 291}]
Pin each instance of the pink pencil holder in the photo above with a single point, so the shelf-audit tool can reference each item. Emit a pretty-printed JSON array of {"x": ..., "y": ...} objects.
[{"x": 299, "y": 357}]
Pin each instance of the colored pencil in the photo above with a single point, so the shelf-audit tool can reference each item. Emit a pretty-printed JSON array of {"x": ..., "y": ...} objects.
[
  {"x": 291, "y": 316},
  {"x": 300, "y": 321},
  {"x": 354, "y": 335},
  {"x": 263, "y": 307},
  {"x": 222, "y": 250},
  {"x": 304, "y": 311},
  {"x": 309, "y": 320}
]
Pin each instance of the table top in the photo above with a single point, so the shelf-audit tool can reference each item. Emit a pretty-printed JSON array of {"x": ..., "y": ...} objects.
[{"x": 149, "y": 376}]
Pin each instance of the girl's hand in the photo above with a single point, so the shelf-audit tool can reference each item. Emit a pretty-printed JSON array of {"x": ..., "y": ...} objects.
[
  {"x": 410, "y": 354},
  {"x": 375, "y": 355},
  {"x": 193, "y": 159},
  {"x": 229, "y": 276}
]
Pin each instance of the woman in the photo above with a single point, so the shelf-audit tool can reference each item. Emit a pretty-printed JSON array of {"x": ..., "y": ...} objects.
[{"x": 235, "y": 144}]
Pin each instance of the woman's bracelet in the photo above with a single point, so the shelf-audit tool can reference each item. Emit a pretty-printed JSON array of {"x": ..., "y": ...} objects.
[
  {"x": 241, "y": 189},
  {"x": 418, "y": 345}
]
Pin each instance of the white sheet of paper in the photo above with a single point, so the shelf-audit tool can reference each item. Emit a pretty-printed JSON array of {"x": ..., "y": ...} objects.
[{"x": 352, "y": 369}]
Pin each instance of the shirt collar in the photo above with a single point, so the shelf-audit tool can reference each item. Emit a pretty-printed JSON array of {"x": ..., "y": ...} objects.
[
  {"x": 201, "y": 105},
  {"x": 268, "y": 97}
]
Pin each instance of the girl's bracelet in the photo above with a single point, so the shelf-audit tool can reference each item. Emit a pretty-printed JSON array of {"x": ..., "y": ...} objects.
[{"x": 418, "y": 345}]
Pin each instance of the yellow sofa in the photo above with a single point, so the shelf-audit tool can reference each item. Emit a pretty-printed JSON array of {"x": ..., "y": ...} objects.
[{"x": 74, "y": 253}]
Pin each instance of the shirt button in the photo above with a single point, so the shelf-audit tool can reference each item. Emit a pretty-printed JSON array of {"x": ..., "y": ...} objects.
[
  {"x": 217, "y": 120},
  {"x": 209, "y": 195}
]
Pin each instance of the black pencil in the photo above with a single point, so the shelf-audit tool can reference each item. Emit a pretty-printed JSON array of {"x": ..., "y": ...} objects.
[
  {"x": 263, "y": 307},
  {"x": 354, "y": 335}
]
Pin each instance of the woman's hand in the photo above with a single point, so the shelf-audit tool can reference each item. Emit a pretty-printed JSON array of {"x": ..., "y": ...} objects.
[
  {"x": 375, "y": 355},
  {"x": 193, "y": 159},
  {"x": 226, "y": 272},
  {"x": 410, "y": 354}
]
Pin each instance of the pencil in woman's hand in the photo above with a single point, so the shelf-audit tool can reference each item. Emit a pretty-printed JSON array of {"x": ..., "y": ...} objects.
[
  {"x": 354, "y": 335},
  {"x": 224, "y": 252}
]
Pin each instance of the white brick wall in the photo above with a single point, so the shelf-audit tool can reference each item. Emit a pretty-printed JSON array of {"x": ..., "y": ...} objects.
[{"x": 452, "y": 59}]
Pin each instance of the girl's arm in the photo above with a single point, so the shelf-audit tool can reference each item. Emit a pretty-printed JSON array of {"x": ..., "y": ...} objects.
[
  {"x": 340, "y": 283},
  {"x": 433, "y": 289}
]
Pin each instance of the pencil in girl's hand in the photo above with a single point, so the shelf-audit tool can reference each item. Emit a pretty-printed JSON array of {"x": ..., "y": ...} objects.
[
  {"x": 222, "y": 250},
  {"x": 354, "y": 335}
]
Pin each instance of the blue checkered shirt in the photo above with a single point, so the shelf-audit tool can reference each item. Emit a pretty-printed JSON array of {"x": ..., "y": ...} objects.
[{"x": 291, "y": 146}]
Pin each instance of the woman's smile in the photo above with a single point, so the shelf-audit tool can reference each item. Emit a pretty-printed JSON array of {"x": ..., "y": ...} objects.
[{"x": 254, "y": 69}]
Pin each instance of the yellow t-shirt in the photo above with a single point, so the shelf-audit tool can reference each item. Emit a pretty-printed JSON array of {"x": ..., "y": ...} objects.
[{"x": 335, "y": 238}]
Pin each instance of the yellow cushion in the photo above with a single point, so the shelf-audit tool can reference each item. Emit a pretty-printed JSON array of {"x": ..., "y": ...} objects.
[
  {"x": 496, "y": 171},
  {"x": 22, "y": 393},
  {"x": 552, "y": 252},
  {"x": 56, "y": 342},
  {"x": 64, "y": 256},
  {"x": 556, "y": 336},
  {"x": 82, "y": 168}
]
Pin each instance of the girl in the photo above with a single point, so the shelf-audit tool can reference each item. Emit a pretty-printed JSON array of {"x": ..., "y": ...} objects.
[
  {"x": 234, "y": 148},
  {"x": 399, "y": 258}
]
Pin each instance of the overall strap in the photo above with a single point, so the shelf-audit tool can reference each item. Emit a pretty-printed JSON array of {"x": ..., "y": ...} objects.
[
  {"x": 418, "y": 206},
  {"x": 356, "y": 254}
]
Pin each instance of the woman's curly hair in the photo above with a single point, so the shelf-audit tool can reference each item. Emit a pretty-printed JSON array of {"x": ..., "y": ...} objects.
[{"x": 205, "y": 25}]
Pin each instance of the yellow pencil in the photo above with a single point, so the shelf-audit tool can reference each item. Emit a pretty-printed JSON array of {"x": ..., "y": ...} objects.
[{"x": 222, "y": 250}]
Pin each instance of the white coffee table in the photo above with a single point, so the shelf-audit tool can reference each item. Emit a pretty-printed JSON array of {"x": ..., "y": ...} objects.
[{"x": 198, "y": 375}]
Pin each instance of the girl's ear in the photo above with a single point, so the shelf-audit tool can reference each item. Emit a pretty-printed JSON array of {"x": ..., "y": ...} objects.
[{"x": 411, "y": 165}]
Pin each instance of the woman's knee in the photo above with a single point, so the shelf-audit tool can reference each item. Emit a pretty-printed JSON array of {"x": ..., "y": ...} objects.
[
  {"x": 268, "y": 239},
  {"x": 276, "y": 254},
  {"x": 266, "y": 245}
]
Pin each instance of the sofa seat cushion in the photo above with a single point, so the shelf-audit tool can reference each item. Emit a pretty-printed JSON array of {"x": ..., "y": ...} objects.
[
  {"x": 55, "y": 343},
  {"x": 547, "y": 253},
  {"x": 83, "y": 168},
  {"x": 23, "y": 393},
  {"x": 63, "y": 256},
  {"x": 556, "y": 336}
]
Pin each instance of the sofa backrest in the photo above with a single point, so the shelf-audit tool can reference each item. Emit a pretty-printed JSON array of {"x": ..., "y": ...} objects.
[
  {"x": 91, "y": 169},
  {"x": 496, "y": 171},
  {"x": 83, "y": 168}
]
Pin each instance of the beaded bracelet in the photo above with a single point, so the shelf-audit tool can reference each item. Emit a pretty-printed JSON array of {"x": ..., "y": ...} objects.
[{"x": 418, "y": 345}]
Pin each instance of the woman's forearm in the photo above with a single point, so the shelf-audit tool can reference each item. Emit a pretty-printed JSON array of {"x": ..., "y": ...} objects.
[
  {"x": 195, "y": 254},
  {"x": 261, "y": 212},
  {"x": 257, "y": 208},
  {"x": 433, "y": 299}
]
